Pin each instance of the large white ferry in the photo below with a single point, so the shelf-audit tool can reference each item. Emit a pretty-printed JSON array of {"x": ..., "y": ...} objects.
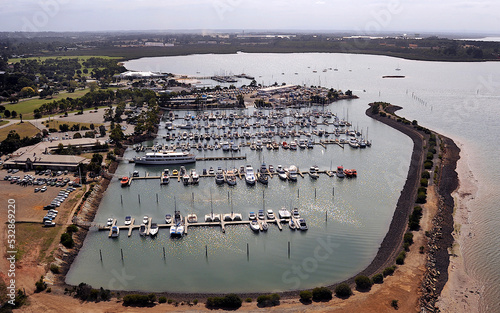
[{"x": 165, "y": 157}]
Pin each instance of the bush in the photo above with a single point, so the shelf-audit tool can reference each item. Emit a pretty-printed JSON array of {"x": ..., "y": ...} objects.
[
  {"x": 414, "y": 219},
  {"x": 343, "y": 290},
  {"x": 268, "y": 300},
  {"x": 430, "y": 156},
  {"x": 321, "y": 294},
  {"x": 428, "y": 165},
  {"x": 162, "y": 299},
  {"x": 230, "y": 301},
  {"x": 426, "y": 174},
  {"x": 40, "y": 285},
  {"x": 406, "y": 247},
  {"x": 67, "y": 240},
  {"x": 400, "y": 260},
  {"x": 54, "y": 268},
  {"x": 71, "y": 229},
  {"x": 248, "y": 300},
  {"x": 424, "y": 182},
  {"x": 422, "y": 190},
  {"x": 421, "y": 198},
  {"x": 363, "y": 282},
  {"x": 136, "y": 300},
  {"x": 408, "y": 238},
  {"x": 389, "y": 270},
  {"x": 195, "y": 301},
  {"x": 305, "y": 296},
  {"x": 169, "y": 301},
  {"x": 394, "y": 304},
  {"x": 378, "y": 278}
]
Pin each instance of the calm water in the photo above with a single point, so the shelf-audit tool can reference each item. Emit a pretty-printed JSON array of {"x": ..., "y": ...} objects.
[{"x": 460, "y": 100}]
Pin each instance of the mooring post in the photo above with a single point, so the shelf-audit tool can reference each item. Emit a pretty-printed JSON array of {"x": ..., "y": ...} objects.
[
  {"x": 248, "y": 252},
  {"x": 156, "y": 198},
  {"x": 326, "y": 216},
  {"x": 206, "y": 251},
  {"x": 298, "y": 193},
  {"x": 139, "y": 197},
  {"x": 333, "y": 192},
  {"x": 100, "y": 254},
  {"x": 289, "y": 249},
  {"x": 121, "y": 250},
  {"x": 314, "y": 193},
  {"x": 121, "y": 199},
  {"x": 164, "y": 253}
]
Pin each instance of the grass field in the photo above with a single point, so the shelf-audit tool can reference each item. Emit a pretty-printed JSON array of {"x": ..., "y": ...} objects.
[
  {"x": 3, "y": 123},
  {"x": 26, "y": 107},
  {"x": 55, "y": 124},
  {"x": 24, "y": 129}
]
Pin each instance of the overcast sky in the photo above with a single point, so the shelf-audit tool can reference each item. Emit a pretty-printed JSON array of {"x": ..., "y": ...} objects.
[{"x": 367, "y": 16}]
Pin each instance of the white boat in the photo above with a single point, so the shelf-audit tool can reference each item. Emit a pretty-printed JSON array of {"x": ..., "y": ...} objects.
[
  {"x": 281, "y": 172},
  {"x": 284, "y": 213},
  {"x": 302, "y": 224},
  {"x": 249, "y": 175},
  {"x": 265, "y": 226},
  {"x": 252, "y": 216},
  {"x": 209, "y": 218},
  {"x": 165, "y": 157},
  {"x": 254, "y": 225},
  {"x": 195, "y": 178},
  {"x": 230, "y": 178},
  {"x": 295, "y": 213},
  {"x": 236, "y": 216},
  {"x": 142, "y": 230},
  {"x": 227, "y": 217},
  {"x": 128, "y": 220},
  {"x": 292, "y": 224},
  {"x": 153, "y": 230},
  {"x": 168, "y": 218},
  {"x": 145, "y": 220},
  {"x": 165, "y": 178},
  {"x": 270, "y": 214},
  {"x": 261, "y": 215},
  {"x": 109, "y": 222},
  {"x": 115, "y": 231},
  {"x": 292, "y": 173},
  {"x": 185, "y": 179},
  {"x": 192, "y": 218}
]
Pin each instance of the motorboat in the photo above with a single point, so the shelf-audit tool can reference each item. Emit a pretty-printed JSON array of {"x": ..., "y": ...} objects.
[
  {"x": 135, "y": 173},
  {"x": 175, "y": 172},
  {"x": 145, "y": 220},
  {"x": 195, "y": 178},
  {"x": 283, "y": 213},
  {"x": 295, "y": 213},
  {"x": 281, "y": 173},
  {"x": 236, "y": 216},
  {"x": 115, "y": 231},
  {"x": 265, "y": 226},
  {"x": 292, "y": 173},
  {"x": 263, "y": 178},
  {"x": 142, "y": 230},
  {"x": 128, "y": 220},
  {"x": 153, "y": 230},
  {"x": 252, "y": 216},
  {"x": 270, "y": 214},
  {"x": 168, "y": 218},
  {"x": 340, "y": 172},
  {"x": 211, "y": 171},
  {"x": 192, "y": 218},
  {"x": 124, "y": 181},
  {"x": 254, "y": 225},
  {"x": 261, "y": 215},
  {"x": 109, "y": 222},
  {"x": 227, "y": 217},
  {"x": 249, "y": 175},
  {"x": 292, "y": 224},
  {"x": 302, "y": 224},
  {"x": 219, "y": 177},
  {"x": 230, "y": 178},
  {"x": 185, "y": 179},
  {"x": 165, "y": 177}
]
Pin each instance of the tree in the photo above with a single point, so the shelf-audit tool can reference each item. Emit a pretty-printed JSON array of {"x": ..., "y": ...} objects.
[
  {"x": 363, "y": 282},
  {"x": 117, "y": 135},
  {"x": 343, "y": 290},
  {"x": 378, "y": 278},
  {"x": 305, "y": 296},
  {"x": 6, "y": 113},
  {"x": 14, "y": 114},
  {"x": 321, "y": 294},
  {"x": 93, "y": 86},
  {"x": 77, "y": 136}
]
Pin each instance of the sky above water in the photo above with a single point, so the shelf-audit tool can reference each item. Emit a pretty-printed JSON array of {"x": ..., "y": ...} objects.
[{"x": 363, "y": 16}]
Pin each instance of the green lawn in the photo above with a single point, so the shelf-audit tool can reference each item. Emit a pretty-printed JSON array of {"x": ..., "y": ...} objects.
[
  {"x": 3, "y": 123},
  {"x": 26, "y": 107}
]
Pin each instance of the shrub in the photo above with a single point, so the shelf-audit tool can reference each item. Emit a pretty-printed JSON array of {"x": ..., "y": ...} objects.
[
  {"x": 71, "y": 229},
  {"x": 426, "y": 174},
  {"x": 421, "y": 198},
  {"x": 394, "y": 304},
  {"x": 363, "y": 282},
  {"x": 162, "y": 299},
  {"x": 268, "y": 300},
  {"x": 430, "y": 156},
  {"x": 152, "y": 297},
  {"x": 40, "y": 285},
  {"x": 169, "y": 301},
  {"x": 195, "y": 301},
  {"x": 305, "y": 296},
  {"x": 389, "y": 271},
  {"x": 134, "y": 299},
  {"x": 421, "y": 249},
  {"x": 54, "y": 268},
  {"x": 321, "y": 294},
  {"x": 400, "y": 260},
  {"x": 67, "y": 240},
  {"x": 414, "y": 219},
  {"x": 343, "y": 290},
  {"x": 428, "y": 165},
  {"x": 378, "y": 278},
  {"x": 248, "y": 300},
  {"x": 424, "y": 182},
  {"x": 49, "y": 290},
  {"x": 230, "y": 301},
  {"x": 408, "y": 238}
]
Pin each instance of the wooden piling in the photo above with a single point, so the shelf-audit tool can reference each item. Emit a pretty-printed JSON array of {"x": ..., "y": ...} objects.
[
  {"x": 121, "y": 251},
  {"x": 100, "y": 254}
]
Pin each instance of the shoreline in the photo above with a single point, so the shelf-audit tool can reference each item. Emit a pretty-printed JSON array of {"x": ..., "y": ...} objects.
[{"x": 462, "y": 291}]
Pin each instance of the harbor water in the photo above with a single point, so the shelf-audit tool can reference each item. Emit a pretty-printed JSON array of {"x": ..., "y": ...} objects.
[{"x": 347, "y": 218}]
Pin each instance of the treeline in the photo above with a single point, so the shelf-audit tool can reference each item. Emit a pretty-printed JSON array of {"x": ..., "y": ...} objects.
[{"x": 14, "y": 142}]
